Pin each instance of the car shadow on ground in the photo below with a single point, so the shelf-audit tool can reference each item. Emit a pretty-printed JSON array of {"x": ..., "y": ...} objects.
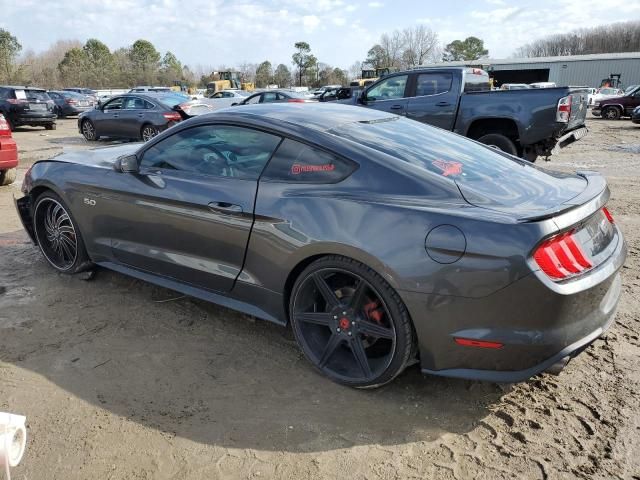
[{"x": 205, "y": 373}]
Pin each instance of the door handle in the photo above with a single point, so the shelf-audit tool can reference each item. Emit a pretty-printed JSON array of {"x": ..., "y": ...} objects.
[
  {"x": 225, "y": 207},
  {"x": 396, "y": 107},
  {"x": 115, "y": 115},
  {"x": 442, "y": 104}
]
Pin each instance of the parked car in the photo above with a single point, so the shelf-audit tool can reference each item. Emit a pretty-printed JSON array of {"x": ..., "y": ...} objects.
[
  {"x": 319, "y": 91},
  {"x": 238, "y": 94},
  {"x": 134, "y": 116},
  {"x": 630, "y": 88},
  {"x": 275, "y": 96},
  {"x": 87, "y": 92},
  {"x": 635, "y": 115},
  {"x": 337, "y": 94},
  {"x": 515, "y": 86},
  {"x": 382, "y": 240},
  {"x": 70, "y": 103},
  {"x": 526, "y": 123},
  {"x": 27, "y": 106},
  {"x": 146, "y": 89},
  {"x": 605, "y": 93},
  {"x": 543, "y": 85},
  {"x": 617, "y": 107},
  {"x": 592, "y": 93},
  {"x": 8, "y": 154}
]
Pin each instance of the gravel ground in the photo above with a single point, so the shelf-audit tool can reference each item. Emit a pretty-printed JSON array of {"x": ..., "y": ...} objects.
[{"x": 121, "y": 379}]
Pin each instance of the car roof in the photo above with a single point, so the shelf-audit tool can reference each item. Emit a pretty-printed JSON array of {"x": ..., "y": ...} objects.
[{"x": 315, "y": 116}]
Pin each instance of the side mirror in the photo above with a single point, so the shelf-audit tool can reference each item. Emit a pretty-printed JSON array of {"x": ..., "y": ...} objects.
[
  {"x": 126, "y": 164},
  {"x": 234, "y": 104}
]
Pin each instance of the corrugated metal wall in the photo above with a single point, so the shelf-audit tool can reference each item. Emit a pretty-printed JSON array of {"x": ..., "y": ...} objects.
[{"x": 583, "y": 72}]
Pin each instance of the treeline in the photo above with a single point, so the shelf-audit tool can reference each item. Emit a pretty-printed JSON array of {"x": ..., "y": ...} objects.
[
  {"x": 406, "y": 48},
  {"x": 614, "y": 38}
]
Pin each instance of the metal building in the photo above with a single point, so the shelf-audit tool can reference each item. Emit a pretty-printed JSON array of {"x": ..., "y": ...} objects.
[{"x": 584, "y": 70}]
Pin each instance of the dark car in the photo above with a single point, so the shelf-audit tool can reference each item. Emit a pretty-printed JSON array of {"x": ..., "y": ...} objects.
[
  {"x": 275, "y": 96},
  {"x": 87, "y": 92},
  {"x": 27, "y": 106},
  {"x": 70, "y": 103},
  {"x": 382, "y": 240},
  {"x": 336, "y": 94},
  {"x": 635, "y": 115},
  {"x": 617, "y": 107},
  {"x": 527, "y": 123},
  {"x": 134, "y": 116}
]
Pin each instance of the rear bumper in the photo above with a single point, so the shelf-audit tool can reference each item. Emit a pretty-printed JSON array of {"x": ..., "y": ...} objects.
[
  {"x": 43, "y": 118},
  {"x": 536, "y": 325},
  {"x": 570, "y": 137},
  {"x": 8, "y": 153}
]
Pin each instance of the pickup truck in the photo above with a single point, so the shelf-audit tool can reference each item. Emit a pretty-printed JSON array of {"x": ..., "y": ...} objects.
[
  {"x": 527, "y": 123},
  {"x": 616, "y": 107}
]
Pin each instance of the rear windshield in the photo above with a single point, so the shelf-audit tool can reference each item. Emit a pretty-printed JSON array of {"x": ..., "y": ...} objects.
[
  {"x": 29, "y": 94},
  {"x": 441, "y": 153}
]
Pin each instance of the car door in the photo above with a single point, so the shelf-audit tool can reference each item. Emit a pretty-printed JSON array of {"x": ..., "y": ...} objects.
[
  {"x": 434, "y": 99},
  {"x": 253, "y": 99},
  {"x": 107, "y": 119},
  {"x": 269, "y": 97},
  {"x": 388, "y": 94},
  {"x": 133, "y": 115},
  {"x": 631, "y": 102},
  {"x": 188, "y": 212}
]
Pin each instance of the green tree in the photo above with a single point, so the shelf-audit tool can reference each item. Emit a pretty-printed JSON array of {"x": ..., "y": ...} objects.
[
  {"x": 471, "y": 48},
  {"x": 264, "y": 74},
  {"x": 145, "y": 60},
  {"x": 282, "y": 76},
  {"x": 73, "y": 67},
  {"x": 99, "y": 64},
  {"x": 376, "y": 57},
  {"x": 303, "y": 59},
  {"x": 171, "y": 69},
  {"x": 9, "y": 50}
]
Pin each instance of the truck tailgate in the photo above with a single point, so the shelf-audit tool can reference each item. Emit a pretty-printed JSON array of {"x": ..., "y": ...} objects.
[{"x": 579, "y": 101}]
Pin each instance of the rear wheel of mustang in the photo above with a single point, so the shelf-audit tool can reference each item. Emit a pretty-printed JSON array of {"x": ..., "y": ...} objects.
[
  {"x": 57, "y": 234},
  {"x": 350, "y": 323}
]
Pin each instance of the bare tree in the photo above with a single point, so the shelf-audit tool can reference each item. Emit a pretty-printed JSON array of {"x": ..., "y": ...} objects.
[
  {"x": 616, "y": 37},
  {"x": 420, "y": 45},
  {"x": 392, "y": 45}
]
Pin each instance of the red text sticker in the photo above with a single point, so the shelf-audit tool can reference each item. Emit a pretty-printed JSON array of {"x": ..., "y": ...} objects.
[
  {"x": 448, "y": 168},
  {"x": 297, "y": 168}
]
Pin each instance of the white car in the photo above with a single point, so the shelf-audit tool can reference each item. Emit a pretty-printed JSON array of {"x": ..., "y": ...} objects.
[
  {"x": 543, "y": 85},
  {"x": 237, "y": 94},
  {"x": 604, "y": 93}
]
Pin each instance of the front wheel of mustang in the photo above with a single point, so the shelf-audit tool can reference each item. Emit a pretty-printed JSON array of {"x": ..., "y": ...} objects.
[
  {"x": 57, "y": 234},
  {"x": 350, "y": 323}
]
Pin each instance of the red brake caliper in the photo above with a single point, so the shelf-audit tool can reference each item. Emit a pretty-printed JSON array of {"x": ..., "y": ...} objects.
[{"x": 373, "y": 311}]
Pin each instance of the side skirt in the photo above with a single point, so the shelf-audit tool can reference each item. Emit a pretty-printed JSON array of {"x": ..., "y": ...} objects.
[{"x": 206, "y": 295}]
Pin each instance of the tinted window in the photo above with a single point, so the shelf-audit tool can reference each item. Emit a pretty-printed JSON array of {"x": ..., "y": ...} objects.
[
  {"x": 433, "y": 83},
  {"x": 54, "y": 95},
  {"x": 135, "y": 103},
  {"x": 115, "y": 104},
  {"x": 300, "y": 163},
  {"x": 269, "y": 97},
  {"x": 218, "y": 150},
  {"x": 252, "y": 100},
  {"x": 388, "y": 89}
]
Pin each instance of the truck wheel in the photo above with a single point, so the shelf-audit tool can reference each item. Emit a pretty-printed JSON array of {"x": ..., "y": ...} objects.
[
  {"x": 7, "y": 177},
  {"x": 611, "y": 113},
  {"x": 500, "y": 142}
]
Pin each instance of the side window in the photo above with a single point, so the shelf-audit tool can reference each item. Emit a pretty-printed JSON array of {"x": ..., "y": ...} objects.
[
  {"x": 227, "y": 94},
  {"x": 134, "y": 103},
  {"x": 433, "y": 83},
  {"x": 389, "y": 89},
  {"x": 218, "y": 150},
  {"x": 296, "y": 162},
  {"x": 269, "y": 97},
  {"x": 217, "y": 95},
  {"x": 115, "y": 104},
  {"x": 253, "y": 100},
  {"x": 55, "y": 96}
]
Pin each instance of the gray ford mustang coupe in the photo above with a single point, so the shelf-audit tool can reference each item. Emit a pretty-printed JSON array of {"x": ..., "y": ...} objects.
[{"x": 383, "y": 241}]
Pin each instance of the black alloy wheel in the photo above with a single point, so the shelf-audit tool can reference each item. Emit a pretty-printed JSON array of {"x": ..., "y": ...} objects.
[{"x": 350, "y": 324}]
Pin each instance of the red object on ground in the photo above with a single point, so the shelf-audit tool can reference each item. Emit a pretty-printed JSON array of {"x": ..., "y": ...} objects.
[{"x": 8, "y": 147}]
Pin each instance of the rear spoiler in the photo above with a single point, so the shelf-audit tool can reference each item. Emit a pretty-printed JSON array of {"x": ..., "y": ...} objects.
[{"x": 592, "y": 198}]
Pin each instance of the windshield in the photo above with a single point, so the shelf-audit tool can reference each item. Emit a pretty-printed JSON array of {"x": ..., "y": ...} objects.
[{"x": 34, "y": 95}]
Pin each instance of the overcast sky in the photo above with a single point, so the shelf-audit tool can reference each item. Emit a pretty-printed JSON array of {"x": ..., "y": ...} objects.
[{"x": 229, "y": 32}]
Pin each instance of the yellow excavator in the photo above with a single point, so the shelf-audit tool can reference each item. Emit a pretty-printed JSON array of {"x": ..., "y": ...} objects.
[
  {"x": 371, "y": 75},
  {"x": 228, "y": 81}
]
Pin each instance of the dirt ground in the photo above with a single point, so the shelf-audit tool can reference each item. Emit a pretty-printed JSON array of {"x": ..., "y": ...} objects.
[{"x": 123, "y": 380}]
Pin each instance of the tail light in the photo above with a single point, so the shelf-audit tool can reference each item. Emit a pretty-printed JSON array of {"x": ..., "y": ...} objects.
[
  {"x": 70, "y": 101},
  {"x": 5, "y": 131},
  {"x": 563, "y": 112},
  {"x": 172, "y": 116},
  {"x": 16, "y": 101},
  {"x": 296, "y": 100},
  {"x": 607, "y": 214},
  {"x": 561, "y": 257}
]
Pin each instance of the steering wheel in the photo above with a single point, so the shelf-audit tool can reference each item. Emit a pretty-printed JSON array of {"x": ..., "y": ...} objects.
[{"x": 205, "y": 165}]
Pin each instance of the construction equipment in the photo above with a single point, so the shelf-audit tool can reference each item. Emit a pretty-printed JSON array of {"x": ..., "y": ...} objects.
[
  {"x": 371, "y": 75},
  {"x": 613, "y": 81},
  {"x": 228, "y": 81}
]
